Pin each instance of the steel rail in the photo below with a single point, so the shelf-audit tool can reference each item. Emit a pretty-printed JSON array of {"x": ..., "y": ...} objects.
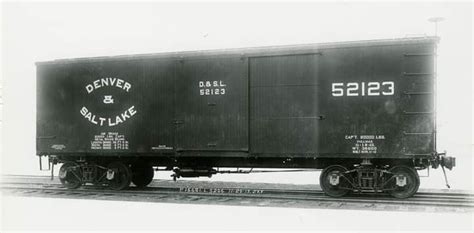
[
  {"x": 303, "y": 191},
  {"x": 422, "y": 199},
  {"x": 151, "y": 194}
]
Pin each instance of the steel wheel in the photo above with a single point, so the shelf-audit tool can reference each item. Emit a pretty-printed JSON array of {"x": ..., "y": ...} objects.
[
  {"x": 404, "y": 182},
  {"x": 118, "y": 176},
  {"x": 70, "y": 175},
  {"x": 142, "y": 174},
  {"x": 332, "y": 181}
]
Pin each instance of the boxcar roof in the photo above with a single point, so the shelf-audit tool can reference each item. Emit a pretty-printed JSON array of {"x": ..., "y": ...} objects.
[{"x": 251, "y": 51}]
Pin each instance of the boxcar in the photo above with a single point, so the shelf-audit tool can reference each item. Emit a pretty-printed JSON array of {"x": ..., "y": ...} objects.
[{"x": 363, "y": 111}]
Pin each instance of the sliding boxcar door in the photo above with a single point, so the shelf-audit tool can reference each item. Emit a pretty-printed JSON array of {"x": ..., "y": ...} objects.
[{"x": 283, "y": 105}]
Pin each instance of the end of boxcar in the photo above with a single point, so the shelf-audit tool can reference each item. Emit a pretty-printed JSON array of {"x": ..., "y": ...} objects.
[{"x": 441, "y": 159}]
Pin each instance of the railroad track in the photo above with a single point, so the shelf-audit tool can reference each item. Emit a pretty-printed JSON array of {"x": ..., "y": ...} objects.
[{"x": 249, "y": 194}]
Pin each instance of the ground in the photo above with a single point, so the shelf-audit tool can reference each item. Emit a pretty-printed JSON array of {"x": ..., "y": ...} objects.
[{"x": 47, "y": 214}]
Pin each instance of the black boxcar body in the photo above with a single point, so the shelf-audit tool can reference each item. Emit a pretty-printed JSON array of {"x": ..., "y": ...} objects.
[
  {"x": 288, "y": 106},
  {"x": 369, "y": 99}
]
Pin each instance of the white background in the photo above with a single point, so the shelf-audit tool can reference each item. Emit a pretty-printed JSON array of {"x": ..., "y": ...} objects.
[{"x": 34, "y": 32}]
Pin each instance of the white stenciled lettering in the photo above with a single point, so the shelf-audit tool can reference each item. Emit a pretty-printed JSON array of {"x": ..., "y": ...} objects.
[
  {"x": 89, "y": 88},
  {"x": 104, "y": 82},
  {"x": 108, "y": 121},
  {"x": 108, "y": 99},
  {"x": 96, "y": 84},
  {"x": 132, "y": 111},
  {"x": 91, "y": 118},
  {"x": 365, "y": 144},
  {"x": 84, "y": 111},
  {"x": 125, "y": 115},
  {"x": 111, "y": 123},
  {"x": 108, "y": 82},
  {"x": 127, "y": 87},
  {"x": 109, "y": 141},
  {"x": 112, "y": 81},
  {"x": 102, "y": 120},
  {"x": 373, "y": 88},
  {"x": 352, "y": 89},
  {"x": 214, "y": 87},
  {"x": 118, "y": 120},
  {"x": 363, "y": 89},
  {"x": 119, "y": 83}
]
